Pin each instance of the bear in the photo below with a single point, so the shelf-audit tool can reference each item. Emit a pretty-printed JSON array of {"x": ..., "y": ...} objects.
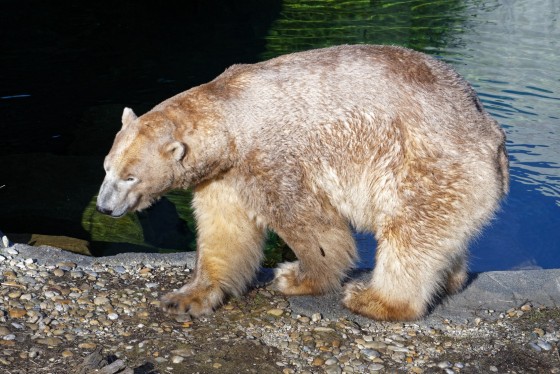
[{"x": 313, "y": 145}]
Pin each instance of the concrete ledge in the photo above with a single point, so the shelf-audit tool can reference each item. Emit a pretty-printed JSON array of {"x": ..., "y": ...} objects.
[{"x": 499, "y": 290}]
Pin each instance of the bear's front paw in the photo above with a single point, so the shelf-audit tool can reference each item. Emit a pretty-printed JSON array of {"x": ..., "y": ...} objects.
[{"x": 192, "y": 302}]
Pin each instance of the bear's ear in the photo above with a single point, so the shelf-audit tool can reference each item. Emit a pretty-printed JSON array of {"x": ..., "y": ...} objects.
[
  {"x": 176, "y": 149},
  {"x": 128, "y": 117}
]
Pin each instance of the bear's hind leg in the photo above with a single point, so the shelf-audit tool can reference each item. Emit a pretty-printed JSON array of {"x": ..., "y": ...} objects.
[
  {"x": 406, "y": 279},
  {"x": 229, "y": 252},
  {"x": 457, "y": 277},
  {"x": 325, "y": 250}
]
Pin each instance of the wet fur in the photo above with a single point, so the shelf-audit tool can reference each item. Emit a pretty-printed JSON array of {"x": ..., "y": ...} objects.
[{"x": 383, "y": 139}]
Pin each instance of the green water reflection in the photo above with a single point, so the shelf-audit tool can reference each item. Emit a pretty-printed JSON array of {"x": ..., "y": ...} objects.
[{"x": 311, "y": 24}]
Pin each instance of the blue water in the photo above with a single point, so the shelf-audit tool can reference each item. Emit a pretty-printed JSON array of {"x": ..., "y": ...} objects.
[{"x": 67, "y": 72}]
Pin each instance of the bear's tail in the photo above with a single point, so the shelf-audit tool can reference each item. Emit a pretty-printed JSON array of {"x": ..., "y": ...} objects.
[{"x": 503, "y": 167}]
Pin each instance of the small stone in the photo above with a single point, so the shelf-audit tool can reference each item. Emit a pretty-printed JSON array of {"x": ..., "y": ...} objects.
[
  {"x": 318, "y": 361},
  {"x": 14, "y": 294},
  {"x": 216, "y": 365},
  {"x": 50, "y": 341},
  {"x": 275, "y": 312},
  {"x": 67, "y": 353},
  {"x": 144, "y": 271},
  {"x": 493, "y": 369},
  {"x": 183, "y": 318},
  {"x": 9, "y": 337},
  {"x": 331, "y": 361},
  {"x": 119, "y": 269},
  {"x": 370, "y": 353},
  {"x": 58, "y": 272},
  {"x": 4, "y": 331},
  {"x": 87, "y": 345},
  {"x": 100, "y": 300},
  {"x": 323, "y": 329},
  {"x": 76, "y": 274},
  {"x": 375, "y": 345},
  {"x": 316, "y": 317},
  {"x": 185, "y": 352},
  {"x": 17, "y": 312},
  {"x": 526, "y": 307},
  {"x": 113, "y": 316},
  {"x": 544, "y": 345},
  {"x": 444, "y": 364},
  {"x": 11, "y": 251},
  {"x": 375, "y": 367},
  {"x": 539, "y": 331},
  {"x": 66, "y": 265},
  {"x": 395, "y": 348},
  {"x": 177, "y": 359}
]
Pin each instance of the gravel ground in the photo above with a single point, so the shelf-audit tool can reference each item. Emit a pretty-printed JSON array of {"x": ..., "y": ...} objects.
[{"x": 79, "y": 316}]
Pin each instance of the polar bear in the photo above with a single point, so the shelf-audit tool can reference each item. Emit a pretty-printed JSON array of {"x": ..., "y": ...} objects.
[{"x": 381, "y": 139}]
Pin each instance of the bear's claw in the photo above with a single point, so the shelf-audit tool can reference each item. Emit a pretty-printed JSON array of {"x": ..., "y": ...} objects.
[{"x": 192, "y": 302}]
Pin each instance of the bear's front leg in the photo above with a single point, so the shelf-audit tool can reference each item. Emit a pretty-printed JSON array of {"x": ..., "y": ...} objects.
[{"x": 229, "y": 251}]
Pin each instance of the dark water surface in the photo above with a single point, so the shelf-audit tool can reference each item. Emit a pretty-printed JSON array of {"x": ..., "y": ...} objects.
[{"x": 69, "y": 68}]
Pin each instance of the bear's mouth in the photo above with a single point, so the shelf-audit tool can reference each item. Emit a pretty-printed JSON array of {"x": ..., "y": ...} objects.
[{"x": 113, "y": 215}]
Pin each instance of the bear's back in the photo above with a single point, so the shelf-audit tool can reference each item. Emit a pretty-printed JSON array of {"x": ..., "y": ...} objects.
[{"x": 368, "y": 88}]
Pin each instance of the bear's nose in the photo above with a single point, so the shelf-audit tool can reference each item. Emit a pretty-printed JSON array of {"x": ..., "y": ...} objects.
[{"x": 103, "y": 210}]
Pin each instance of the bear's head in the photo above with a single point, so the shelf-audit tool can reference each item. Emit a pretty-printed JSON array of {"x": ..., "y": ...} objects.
[{"x": 144, "y": 162}]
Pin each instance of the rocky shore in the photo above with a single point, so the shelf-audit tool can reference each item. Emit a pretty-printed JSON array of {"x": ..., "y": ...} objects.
[{"x": 65, "y": 313}]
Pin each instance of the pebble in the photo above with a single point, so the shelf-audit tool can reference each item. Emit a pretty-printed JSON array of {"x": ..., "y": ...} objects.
[
  {"x": 58, "y": 272},
  {"x": 544, "y": 345},
  {"x": 370, "y": 353},
  {"x": 50, "y": 341},
  {"x": 177, "y": 359},
  {"x": 376, "y": 367},
  {"x": 318, "y": 361},
  {"x": 100, "y": 300},
  {"x": 12, "y": 251},
  {"x": 526, "y": 307},
  {"x": 119, "y": 269},
  {"x": 316, "y": 317},
  {"x": 275, "y": 312},
  {"x": 76, "y": 274},
  {"x": 113, "y": 316},
  {"x": 444, "y": 364}
]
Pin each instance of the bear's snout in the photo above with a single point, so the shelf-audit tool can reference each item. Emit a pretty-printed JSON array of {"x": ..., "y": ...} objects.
[{"x": 100, "y": 209}]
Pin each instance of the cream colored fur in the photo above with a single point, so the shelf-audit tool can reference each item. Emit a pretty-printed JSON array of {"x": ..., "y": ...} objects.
[{"x": 380, "y": 138}]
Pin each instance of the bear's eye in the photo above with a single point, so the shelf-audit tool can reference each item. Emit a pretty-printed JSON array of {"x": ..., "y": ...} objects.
[{"x": 130, "y": 179}]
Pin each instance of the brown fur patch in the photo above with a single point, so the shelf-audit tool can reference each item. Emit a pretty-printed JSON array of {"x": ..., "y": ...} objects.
[
  {"x": 369, "y": 303},
  {"x": 408, "y": 65}
]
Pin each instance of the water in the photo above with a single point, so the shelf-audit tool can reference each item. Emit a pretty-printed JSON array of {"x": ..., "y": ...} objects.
[{"x": 68, "y": 70}]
